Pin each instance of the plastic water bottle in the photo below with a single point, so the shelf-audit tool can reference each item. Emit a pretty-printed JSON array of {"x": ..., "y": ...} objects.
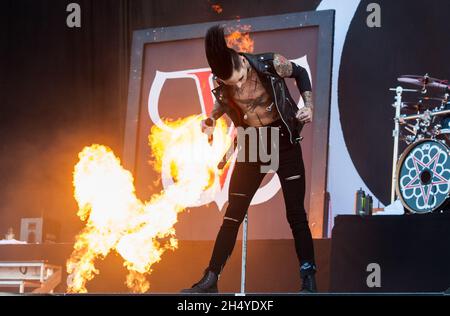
[
  {"x": 369, "y": 203},
  {"x": 359, "y": 202}
]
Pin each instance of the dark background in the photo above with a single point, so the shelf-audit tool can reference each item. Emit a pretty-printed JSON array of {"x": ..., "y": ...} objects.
[{"x": 62, "y": 89}]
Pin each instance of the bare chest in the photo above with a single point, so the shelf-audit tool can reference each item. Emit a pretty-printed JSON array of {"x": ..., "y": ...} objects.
[
  {"x": 255, "y": 103},
  {"x": 252, "y": 95}
]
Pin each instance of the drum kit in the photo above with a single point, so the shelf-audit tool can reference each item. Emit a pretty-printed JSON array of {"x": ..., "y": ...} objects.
[{"x": 421, "y": 175}]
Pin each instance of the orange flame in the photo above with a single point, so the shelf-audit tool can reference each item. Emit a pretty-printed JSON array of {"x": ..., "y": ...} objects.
[
  {"x": 240, "y": 40},
  {"x": 217, "y": 8},
  {"x": 116, "y": 220}
]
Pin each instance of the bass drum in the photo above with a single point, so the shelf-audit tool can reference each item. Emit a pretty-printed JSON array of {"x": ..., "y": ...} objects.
[{"x": 423, "y": 176}]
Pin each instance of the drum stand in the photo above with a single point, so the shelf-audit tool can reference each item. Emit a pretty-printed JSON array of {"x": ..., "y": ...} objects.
[{"x": 396, "y": 134}]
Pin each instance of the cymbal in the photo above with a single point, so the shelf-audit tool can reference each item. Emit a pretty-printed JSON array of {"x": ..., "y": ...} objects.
[
  {"x": 421, "y": 105},
  {"x": 425, "y": 77},
  {"x": 412, "y": 107},
  {"x": 424, "y": 81},
  {"x": 441, "y": 100}
]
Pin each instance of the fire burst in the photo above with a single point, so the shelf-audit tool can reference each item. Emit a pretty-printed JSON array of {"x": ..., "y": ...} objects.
[
  {"x": 116, "y": 220},
  {"x": 239, "y": 39},
  {"x": 217, "y": 8}
]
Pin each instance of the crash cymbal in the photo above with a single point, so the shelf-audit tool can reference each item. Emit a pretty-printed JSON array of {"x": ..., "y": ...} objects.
[
  {"x": 439, "y": 85},
  {"x": 424, "y": 81},
  {"x": 422, "y": 78}
]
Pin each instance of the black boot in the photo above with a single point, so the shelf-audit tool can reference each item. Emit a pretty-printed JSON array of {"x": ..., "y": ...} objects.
[
  {"x": 208, "y": 284},
  {"x": 307, "y": 273}
]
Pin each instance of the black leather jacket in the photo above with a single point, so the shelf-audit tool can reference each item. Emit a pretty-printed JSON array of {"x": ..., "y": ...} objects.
[{"x": 274, "y": 85}]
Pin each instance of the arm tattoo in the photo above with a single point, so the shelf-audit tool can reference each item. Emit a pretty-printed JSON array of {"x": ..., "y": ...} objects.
[
  {"x": 282, "y": 66},
  {"x": 307, "y": 98},
  {"x": 217, "y": 111}
]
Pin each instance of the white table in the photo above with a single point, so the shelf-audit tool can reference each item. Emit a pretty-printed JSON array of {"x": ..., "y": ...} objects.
[{"x": 39, "y": 275}]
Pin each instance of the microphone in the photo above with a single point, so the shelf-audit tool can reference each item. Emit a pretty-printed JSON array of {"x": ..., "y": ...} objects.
[{"x": 210, "y": 123}]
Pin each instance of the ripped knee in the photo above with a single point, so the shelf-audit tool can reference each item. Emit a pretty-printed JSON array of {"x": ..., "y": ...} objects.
[
  {"x": 237, "y": 208},
  {"x": 231, "y": 219},
  {"x": 294, "y": 177},
  {"x": 239, "y": 200},
  {"x": 238, "y": 194},
  {"x": 231, "y": 223}
]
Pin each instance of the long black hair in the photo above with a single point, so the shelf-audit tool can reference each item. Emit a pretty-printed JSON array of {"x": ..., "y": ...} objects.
[{"x": 221, "y": 58}]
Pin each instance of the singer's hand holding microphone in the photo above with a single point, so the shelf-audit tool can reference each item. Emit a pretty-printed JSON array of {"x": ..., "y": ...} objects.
[{"x": 207, "y": 126}]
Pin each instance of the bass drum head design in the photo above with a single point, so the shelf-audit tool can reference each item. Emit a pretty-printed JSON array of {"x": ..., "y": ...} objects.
[{"x": 423, "y": 176}]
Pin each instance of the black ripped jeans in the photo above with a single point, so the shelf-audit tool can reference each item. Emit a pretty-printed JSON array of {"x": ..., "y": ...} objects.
[{"x": 244, "y": 183}]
